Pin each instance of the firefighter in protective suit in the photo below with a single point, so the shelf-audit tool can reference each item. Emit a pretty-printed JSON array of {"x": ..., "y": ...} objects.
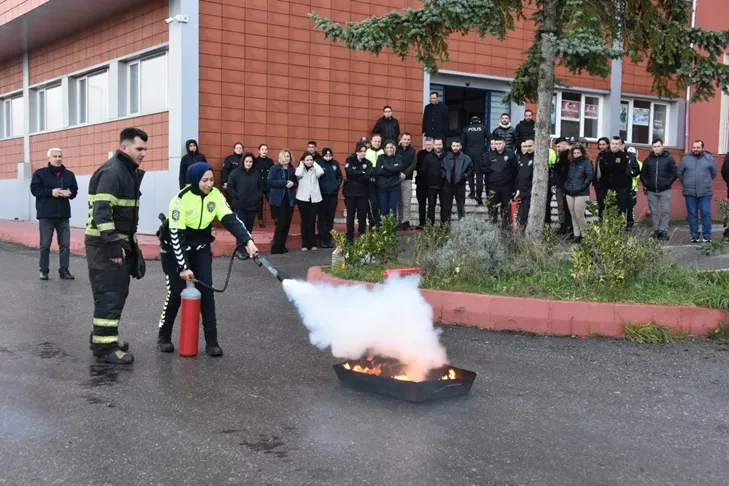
[
  {"x": 112, "y": 252},
  {"x": 186, "y": 237}
]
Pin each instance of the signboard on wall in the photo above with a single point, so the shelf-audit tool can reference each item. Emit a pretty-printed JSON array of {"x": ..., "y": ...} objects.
[
  {"x": 571, "y": 110},
  {"x": 641, "y": 116}
]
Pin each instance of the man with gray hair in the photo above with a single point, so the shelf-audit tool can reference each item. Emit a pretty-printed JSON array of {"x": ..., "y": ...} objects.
[{"x": 52, "y": 187}]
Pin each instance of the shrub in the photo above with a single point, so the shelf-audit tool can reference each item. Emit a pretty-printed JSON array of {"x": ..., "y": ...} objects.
[
  {"x": 427, "y": 245},
  {"x": 610, "y": 256},
  {"x": 472, "y": 252},
  {"x": 380, "y": 246},
  {"x": 526, "y": 256}
]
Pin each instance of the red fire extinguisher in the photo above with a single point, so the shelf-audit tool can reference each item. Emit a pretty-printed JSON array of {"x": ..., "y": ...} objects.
[
  {"x": 514, "y": 208},
  {"x": 190, "y": 320}
]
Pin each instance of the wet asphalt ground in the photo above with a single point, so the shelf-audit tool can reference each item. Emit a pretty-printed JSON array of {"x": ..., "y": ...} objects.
[{"x": 543, "y": 410}]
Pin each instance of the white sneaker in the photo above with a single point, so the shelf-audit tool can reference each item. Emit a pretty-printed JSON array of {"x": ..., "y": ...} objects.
[
  {"x": 303, "y": 248},
  {"x": 313, "y": 248}
]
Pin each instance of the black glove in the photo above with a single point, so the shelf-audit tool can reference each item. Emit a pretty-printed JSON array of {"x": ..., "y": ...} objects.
[{"x": 138, "y": 267}]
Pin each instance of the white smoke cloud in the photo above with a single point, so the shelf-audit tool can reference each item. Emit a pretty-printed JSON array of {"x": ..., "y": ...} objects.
[{"x": 391, "y": 320}]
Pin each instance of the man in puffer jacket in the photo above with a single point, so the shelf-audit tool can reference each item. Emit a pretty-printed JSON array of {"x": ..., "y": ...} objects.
[
  {"x": 329, "y": 184},
  {"x": 455, "y": 171},
  {"x": 658, "y": 174},
  {"x": 697, "y": 172},
  {"x": 506, "y": 131}
]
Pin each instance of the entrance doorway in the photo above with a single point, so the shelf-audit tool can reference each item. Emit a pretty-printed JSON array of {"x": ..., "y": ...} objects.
[{"x": 463, "y": 103}]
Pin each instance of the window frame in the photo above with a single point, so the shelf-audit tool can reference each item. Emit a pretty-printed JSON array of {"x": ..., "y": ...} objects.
[
  {"x": 84, "y": 78},
  {"x": 41, "y": 112},
  {"x": 583, "y": 95},
  {"x": 7, "y": 116},
  {"x": 140, "y": 83},
  {"x": 651, "y": 136}
]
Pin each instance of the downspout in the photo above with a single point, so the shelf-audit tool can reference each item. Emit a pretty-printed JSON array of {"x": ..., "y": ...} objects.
[{"x": 694, "y": 6}]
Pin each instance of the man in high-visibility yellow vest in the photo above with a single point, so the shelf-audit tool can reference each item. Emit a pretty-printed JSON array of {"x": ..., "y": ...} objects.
[{"x": 635, "y": 167}]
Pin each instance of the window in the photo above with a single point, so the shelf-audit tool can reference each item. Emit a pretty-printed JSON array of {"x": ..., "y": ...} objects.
[
  {"x": 147, "y": 84},
  {"x": 576, "y": 115},
  {"x": 50, "y": 108},
  {"x": 13, "y": 117},
  {"x": 92, "y": 98},
  {"x": 642, "y": 121}
]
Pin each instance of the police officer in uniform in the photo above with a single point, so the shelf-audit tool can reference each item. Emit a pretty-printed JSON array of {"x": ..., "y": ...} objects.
[
  {"x": 112, "y": 252},
  {"x": 186, "y": 251},
  {"x": 475, "y": 137}
]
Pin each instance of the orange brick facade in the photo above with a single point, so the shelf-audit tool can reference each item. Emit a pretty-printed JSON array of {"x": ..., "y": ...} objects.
[
  {"x": 85, "y": 147},
  {"x": 265, "y": 76}
]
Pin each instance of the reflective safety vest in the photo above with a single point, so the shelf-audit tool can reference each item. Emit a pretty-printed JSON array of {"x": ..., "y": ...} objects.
[
  {"x": 190, "y": 211},
  {"x": 637, "y": 178},
  {"x": 372, "y": 155},
  {"x": 552, "y": 156}
]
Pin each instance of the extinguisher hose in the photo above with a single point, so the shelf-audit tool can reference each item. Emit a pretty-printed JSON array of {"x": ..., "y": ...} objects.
[
  {"x": 227, "y": 277},
  {"x": 258, "y": 259}
]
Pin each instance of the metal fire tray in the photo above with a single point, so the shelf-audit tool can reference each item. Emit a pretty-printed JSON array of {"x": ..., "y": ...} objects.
[{"x": 412, "y": 391}]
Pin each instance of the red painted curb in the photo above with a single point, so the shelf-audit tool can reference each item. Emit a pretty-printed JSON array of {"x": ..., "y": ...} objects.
[{"x": 551, "y": 317}]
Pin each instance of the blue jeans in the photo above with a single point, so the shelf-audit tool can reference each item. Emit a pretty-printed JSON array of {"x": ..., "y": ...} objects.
[
  {"x": 694, "y": 205},
  {"x": 388, "y": 202}
]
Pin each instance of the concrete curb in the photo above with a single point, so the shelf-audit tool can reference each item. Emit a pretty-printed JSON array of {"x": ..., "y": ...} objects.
[
  {"x": 551, "y": 317},
  {"x": 26, "y": 234}
]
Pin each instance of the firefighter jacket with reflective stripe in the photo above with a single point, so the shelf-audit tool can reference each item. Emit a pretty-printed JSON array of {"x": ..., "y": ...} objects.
[
  {"x": 190, "y": 218},
  {"x": 114, "y": 204}
]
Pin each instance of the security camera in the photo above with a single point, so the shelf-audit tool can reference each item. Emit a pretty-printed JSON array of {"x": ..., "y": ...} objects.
[{"x": 179, "y": 18}]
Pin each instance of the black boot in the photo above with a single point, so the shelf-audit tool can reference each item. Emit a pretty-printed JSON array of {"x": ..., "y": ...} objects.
[
  {"x": 65, "y": 274},
  {"x": 164, "y": 344},
  {"x": 213, "y": 350}
]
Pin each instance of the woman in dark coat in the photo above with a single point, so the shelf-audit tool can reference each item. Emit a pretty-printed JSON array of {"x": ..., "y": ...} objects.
[{"x": 245, "y": 187}]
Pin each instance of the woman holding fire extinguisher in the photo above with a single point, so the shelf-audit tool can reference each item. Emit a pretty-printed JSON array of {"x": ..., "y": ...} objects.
[{"x": 186, "y": 253}]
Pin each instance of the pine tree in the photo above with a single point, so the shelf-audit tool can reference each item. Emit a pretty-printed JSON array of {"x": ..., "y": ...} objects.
[{"x": 581, "y": 35}]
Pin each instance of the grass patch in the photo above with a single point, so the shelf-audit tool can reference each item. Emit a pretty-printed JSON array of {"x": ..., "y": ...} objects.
[
  {"x": 650, "y": 333},
  {"x": 666, "y": 285}
]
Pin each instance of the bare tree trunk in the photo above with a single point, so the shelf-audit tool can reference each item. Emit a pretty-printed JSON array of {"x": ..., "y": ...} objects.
[{"x": 545, "y": 91}]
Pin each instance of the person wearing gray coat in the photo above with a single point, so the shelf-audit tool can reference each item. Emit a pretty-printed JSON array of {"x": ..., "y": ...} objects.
[{"x": 697, "y": 172}]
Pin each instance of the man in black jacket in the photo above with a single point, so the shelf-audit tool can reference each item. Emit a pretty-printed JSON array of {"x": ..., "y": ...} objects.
[
  {"x": 524, "y": 130},
  {"x": 192, "y": 156},
  {"x": 263, "y": 164},
  {"x": 310, "y": 149},
  {"x": 524, "y": 179},
  {"x": 657, "y": 175},
  {"x": 52, "y": 187},
  {"x": 387, "y": 126},
  {"x": 329, "y": 184},
  {"x": 475, "y": 137},
  {"x": 436, "y": 118},
  {"x": 407, "y": 153},
  {"x": 506, "y": 131},
  {"x": 421, "y": 182},
  {"x": 500, "y": 169},
  {"x": 455, "y": 170},
  {"x": 433, "y": 178},
  {"x": 560, "y": 172},
  {"x": 112, "y": 252},
  {"x": 613, "y": 171}
]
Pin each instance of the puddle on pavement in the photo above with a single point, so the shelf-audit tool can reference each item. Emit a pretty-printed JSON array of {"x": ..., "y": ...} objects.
[
  {"x": 268, "y": 445},
  {"x": 102, "y": 374},
  {"x": 48, "y": 350}
]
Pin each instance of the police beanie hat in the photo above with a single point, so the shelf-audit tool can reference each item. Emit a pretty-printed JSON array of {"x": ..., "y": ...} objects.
[
  {"x": 326, "y": 151},
  {"x": 196, "y": 172}
]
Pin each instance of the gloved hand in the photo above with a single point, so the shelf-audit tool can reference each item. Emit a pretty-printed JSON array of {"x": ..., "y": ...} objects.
[{"x": 139, "y": 266}]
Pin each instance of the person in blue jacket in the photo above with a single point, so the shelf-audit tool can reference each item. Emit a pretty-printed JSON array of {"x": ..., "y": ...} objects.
[{"x": 282, "y": 182}]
